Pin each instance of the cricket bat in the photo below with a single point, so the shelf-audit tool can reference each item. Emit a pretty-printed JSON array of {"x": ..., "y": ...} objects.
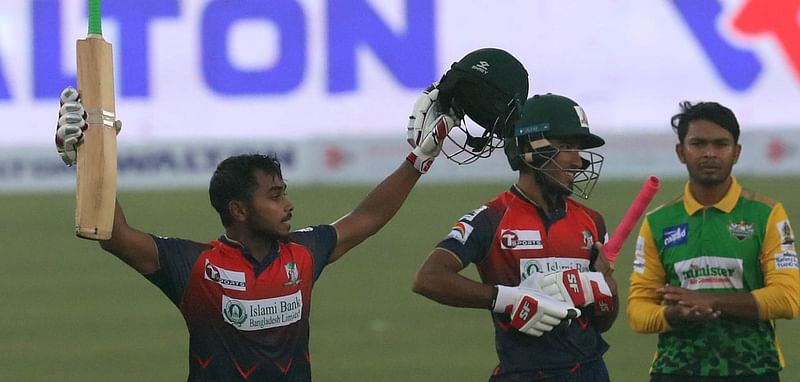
[
  {"x": 605, "y": 263},
  {"x": 96, "y": 177}
]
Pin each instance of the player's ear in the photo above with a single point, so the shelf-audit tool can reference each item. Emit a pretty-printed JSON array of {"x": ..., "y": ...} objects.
[
  {"x": 737, "y": 150},
  {"x": 679, "y": 152},
  {"x": 238, "y": 210}
]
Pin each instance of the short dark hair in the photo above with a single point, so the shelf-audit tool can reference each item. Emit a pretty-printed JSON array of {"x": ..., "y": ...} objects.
[
  {"x": 710, "y": 111},
  {"x": 234, "y": 179}
]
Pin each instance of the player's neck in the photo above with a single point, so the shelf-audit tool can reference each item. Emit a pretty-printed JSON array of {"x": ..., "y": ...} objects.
[
  {"x": 534, "y": 193},
  {"x": 257, "y": 246},
  {"x": 709, "y": 194}
]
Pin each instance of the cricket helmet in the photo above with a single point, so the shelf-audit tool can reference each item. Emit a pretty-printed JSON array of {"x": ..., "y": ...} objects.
[
  {"x": 489, "y": 85},
  {"x": 550, "y": 116}
]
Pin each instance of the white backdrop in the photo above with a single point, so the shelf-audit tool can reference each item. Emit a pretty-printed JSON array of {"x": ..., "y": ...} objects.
[{"x": 310, "y": 68}]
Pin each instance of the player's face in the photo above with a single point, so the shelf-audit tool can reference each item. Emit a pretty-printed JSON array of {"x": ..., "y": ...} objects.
[
  {"x": 565, "y": 164},
  {"x": 270, "y": 211},
  {"x": 709, "y": 152}
]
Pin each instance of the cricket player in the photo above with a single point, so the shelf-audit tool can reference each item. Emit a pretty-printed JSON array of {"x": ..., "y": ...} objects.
[
  {"x": 534, "y": 247},
  {"x": 246, "y": 296},
  {"x": 715, "y": 266}
]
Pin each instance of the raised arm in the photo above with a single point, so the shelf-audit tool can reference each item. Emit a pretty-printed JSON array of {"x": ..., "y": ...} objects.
[
  {"x": 427, "y": 129},
  {"x": 134, "y": 247},
  {"x": 375, "y": 210}
]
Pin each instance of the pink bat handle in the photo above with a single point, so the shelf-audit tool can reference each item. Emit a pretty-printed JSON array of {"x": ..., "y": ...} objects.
[{"x": 635, "y": 211}]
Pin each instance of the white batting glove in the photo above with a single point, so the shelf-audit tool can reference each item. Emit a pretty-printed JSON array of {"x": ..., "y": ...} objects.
[
  {"x": 579, "y": 288},
  {"x": 427, "y": 128},
  {"x": 532, "y": 312},
  {"x": 71, "y": 125}
]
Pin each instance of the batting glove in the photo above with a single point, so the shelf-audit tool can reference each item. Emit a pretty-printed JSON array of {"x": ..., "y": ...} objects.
[
  {"x": 579, "y": 288},
  {"x": 71, "y": 125},
  {"x": 532, "y": 312},
  {"x": 427, "y": 128}
]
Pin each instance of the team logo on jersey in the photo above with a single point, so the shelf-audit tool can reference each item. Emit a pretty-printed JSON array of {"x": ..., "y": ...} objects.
[
  {"x": 234, "y": 312},
  {"x": 292, "y": 273},
  {"x": 519, "y": 239},
  {"x": 740, "y": 230},
  {"x": 676, "y": 235},
  {"x": 588, "y": 239},
  {"x": 227, "y": 278},
  {"x": 785, "y": 231},
  {"x": 710, "y": 272},
  {"x": 528, "y": 266},
  {"x": 460, "y": 232}
]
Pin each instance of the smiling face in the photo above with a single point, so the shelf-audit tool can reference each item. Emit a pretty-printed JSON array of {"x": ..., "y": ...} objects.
[
  {"x": 269, "y": 211},
  {"x": 709, "y": 152}
]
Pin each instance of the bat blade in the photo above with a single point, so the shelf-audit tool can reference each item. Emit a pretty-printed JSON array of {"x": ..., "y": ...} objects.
[{"x": 97, "y": 156}]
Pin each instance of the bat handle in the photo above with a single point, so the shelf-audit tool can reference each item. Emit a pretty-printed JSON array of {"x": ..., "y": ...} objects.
[{"x": 635, "y": 211}]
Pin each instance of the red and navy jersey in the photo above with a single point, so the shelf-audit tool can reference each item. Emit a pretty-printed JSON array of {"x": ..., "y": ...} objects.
[
  {"x": 508, "y": 239},
  {"x": 247, "y": 320}
]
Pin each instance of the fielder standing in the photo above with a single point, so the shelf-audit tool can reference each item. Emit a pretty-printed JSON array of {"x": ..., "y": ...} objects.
[
  {"x": 715, "y": 266},
  {"x": 534, "y": 246}
]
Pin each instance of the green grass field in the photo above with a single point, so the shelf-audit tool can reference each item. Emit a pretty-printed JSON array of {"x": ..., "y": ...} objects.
[{"x": 73, "y": 313}]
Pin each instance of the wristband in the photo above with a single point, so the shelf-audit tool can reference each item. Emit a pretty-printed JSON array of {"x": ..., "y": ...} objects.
[{"x": 506, "y": 297}]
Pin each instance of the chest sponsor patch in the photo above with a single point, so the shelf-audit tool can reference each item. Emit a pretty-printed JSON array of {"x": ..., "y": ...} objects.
[
  {"x": 460, "y": 232},
  {"x": 250, "y": 315},
  {"x": 228, "y": 279},
  {"x": 710, "y": 272},
  {"x": 550, "y": 264},
  {"x": 675, "y": 235},
  {"x": 519, "y": 239}
]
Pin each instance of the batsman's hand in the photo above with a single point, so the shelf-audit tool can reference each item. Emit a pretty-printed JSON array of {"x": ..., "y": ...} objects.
[
  {"x": 427, "y": 128},
  {"x": 533, "y": 312},
  {"x": 71, "y": 125},
  {"x": 579, "y": 289}
]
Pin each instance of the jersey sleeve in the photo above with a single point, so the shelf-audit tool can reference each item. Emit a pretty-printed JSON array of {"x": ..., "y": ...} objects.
[
  {"x": 320, "y": 241},
  {"x": 780, "y": 296},
  {"x": 176, "y": 258},
  {"x": 645, "y": 312},
  {"x": 471, "y": 236}
]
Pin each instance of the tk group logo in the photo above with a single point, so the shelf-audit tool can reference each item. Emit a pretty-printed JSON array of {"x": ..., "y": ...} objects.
[{"x": 738, "y": 66}]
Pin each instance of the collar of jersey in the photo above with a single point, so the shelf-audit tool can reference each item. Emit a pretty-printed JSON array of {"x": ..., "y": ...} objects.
[
  {"x": 726, "y": 205},
  {"x": 258, "y": 267}
]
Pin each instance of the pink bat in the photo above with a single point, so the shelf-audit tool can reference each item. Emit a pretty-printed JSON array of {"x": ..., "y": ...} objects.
[{"x": 635, "y": 211}]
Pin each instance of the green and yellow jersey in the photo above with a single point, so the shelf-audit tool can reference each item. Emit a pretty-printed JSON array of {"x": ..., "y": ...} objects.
[{"x": 744, "y": 243}]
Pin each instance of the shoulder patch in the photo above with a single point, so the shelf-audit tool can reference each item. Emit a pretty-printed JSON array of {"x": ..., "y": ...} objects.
[
  {"x": 468, "y": 217},
  {"x": 460, "y": 232}
]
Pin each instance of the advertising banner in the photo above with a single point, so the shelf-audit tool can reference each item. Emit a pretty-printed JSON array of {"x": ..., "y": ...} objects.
[{"x": 302, "y": 69}]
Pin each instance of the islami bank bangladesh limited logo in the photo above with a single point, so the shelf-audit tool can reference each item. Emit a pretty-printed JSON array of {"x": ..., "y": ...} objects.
[
  {"x": 740, "y": 67},
  {"x": 234, "y": 312}
]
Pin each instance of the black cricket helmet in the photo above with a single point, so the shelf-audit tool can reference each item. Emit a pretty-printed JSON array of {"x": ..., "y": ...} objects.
[
  {"x": 544, "y": 117},
  {"x": 489, "y": 85}
]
